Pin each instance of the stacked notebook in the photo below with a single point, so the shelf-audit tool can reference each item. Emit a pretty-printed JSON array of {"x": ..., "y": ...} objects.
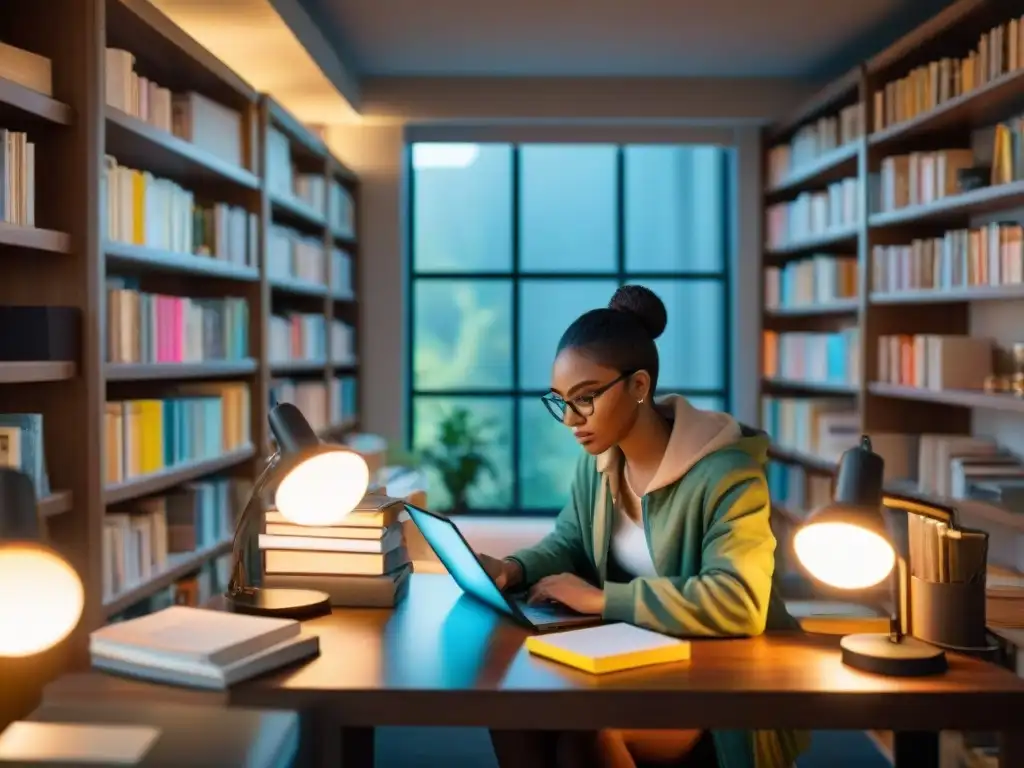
[
  {"x": 361, "y": 563},
  {"x": 200, "y": 648}
]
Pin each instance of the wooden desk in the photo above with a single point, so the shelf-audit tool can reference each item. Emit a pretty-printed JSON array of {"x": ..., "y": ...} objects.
[{"x": 442, "y": 660}]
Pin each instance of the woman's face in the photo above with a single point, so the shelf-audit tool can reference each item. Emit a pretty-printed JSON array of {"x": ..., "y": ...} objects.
[{"x": 607, "y": 413}]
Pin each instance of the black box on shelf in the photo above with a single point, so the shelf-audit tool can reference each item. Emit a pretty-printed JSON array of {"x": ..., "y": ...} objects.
[{"x": 38, "y": 334}]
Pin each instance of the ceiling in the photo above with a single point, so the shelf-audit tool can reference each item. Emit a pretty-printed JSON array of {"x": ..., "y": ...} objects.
[{"x": 580, "y": 38}]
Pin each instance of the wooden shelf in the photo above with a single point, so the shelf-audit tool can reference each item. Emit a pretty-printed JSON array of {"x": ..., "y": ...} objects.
[
  {"x": 840, "y": 238},
  {"x": 832, "y": 165},
  {"x": 984, "y": 200},
  {"x": 138, "y": 487},
  {"x": 964, "y": 398},
  {"x": 837, "y": 307},
  {"x": 975, "y": 109},
  {"x": 950, "y": 295},
  {"x": 31, "y": 372},
  {"x": 57, "y": 503},
  {"x": 823, "y": 387},
  {"x": 282, "y": 367},
  {"x": 18, "y": 101},
  {"x": 214, "y": 369},
  {"x": 138, "y": 144},
  {"x": 153, "y": 259},
  {"x": 32, "y": 238},
  {"x": 296, "y": 211},
  {"x": 178, "y": 566},
  {"x": 298, "y": 287}
]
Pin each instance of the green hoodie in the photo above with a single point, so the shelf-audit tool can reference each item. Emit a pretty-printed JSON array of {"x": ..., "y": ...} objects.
[{"x": 705, "y": 514}]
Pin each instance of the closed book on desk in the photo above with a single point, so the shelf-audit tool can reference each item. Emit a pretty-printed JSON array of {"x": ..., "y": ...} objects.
[
  {"x": 200, "y": 648},
  {"x": 151, "y": 735},
  {"x": 609, "y": 648},
  {"x": 350, "y": 563}
]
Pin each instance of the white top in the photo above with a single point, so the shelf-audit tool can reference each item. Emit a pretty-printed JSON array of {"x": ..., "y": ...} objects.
[{"x": 629, "y": 542}]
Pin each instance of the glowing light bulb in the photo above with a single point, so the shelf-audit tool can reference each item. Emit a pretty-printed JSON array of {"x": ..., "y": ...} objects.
[
  {"x": 324, "y": 488},
  {"x": 41, "y": 599},
  {"x": 843, "y": 555}
]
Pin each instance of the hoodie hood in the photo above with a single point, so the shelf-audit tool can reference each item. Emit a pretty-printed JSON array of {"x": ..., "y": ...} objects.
[{"x": 695, "y": 434}]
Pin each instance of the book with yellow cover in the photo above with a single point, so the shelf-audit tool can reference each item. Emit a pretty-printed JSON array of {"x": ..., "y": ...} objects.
[{"x": 608, "y": 648}]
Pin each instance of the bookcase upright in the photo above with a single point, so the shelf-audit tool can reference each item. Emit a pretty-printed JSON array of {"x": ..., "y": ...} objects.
[{"x": 126, "y": 268}]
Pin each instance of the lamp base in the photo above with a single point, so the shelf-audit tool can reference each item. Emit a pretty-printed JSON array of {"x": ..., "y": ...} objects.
[
  {"x": 876, "y": 653},
  {"x": 299, "y": 604}
]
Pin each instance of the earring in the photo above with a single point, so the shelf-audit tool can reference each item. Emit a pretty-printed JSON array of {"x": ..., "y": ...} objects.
[{"x": 640, "y": 401}]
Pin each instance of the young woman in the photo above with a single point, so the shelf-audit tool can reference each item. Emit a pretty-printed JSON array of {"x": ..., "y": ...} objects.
[{"x": 667, "y": 528}]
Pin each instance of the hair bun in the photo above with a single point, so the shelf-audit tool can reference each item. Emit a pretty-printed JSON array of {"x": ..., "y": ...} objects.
[{"x": 644, "y": 305}]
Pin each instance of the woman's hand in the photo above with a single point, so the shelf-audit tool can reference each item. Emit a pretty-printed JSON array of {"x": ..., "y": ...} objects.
[
  {"x": 506, "y": 573},
  {"x": 571, "y": 591}
]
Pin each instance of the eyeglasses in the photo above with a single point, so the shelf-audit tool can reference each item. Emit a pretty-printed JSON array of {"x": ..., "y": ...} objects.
[{"x": 581, "y": 405}]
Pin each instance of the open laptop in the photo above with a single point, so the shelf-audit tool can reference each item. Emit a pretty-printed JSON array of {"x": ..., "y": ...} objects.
[{"x": 458, "y": 557}]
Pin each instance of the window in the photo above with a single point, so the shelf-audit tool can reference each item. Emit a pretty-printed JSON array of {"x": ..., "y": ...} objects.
[{"x": 509, "y": 244}]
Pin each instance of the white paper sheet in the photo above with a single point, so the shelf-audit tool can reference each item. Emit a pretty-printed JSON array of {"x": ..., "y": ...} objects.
[{"x": 76, "y": 743}]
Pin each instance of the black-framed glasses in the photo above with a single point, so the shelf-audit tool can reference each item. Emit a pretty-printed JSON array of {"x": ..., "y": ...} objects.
[{"x": 581, "y": 405}]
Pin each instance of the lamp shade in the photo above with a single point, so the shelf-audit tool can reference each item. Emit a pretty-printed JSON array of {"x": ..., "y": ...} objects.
[
  {"x": 319, "y": 484},
  {"x": 846, "y": 544},
  {"x": 41, "y": 595}
]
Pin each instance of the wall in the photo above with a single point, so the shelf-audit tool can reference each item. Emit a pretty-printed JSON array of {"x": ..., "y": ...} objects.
[{"x": 467, "y": 109}]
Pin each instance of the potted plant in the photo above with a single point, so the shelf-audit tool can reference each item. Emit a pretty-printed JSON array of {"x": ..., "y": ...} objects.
[{"x": 458, "y": 457}]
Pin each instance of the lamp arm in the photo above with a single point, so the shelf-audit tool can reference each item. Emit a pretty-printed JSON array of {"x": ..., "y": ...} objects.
[
  {"x": 239, "y": 580},
  {"x": 929, "y": 509}
]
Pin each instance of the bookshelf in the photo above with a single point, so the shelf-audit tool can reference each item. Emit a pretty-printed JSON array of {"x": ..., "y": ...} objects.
[
  {"x": 922, "y": 242},
  {"x": 153, "y": 222}
]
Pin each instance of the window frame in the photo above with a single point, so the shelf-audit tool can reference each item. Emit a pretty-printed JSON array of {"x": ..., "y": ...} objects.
[{"x": 516, "y": 394}]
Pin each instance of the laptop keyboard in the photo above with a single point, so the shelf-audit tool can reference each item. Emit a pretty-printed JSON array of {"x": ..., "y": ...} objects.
[{"x": 545, "y": 611}]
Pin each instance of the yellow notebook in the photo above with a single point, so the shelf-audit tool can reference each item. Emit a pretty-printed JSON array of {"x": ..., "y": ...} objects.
[{"x": 608, "y": 648}]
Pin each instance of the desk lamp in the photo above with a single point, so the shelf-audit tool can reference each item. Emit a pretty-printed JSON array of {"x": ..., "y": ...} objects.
[
  {"x": 41, "y": 596},
  {"x": 316, "y": 484},
  {"x": 847, "y": 545}
]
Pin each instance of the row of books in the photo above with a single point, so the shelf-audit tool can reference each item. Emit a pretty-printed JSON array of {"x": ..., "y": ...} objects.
[
  {"x": 201, "y": 422},
  {"x": 919, "y": 178},
  {"x": 813, "y": 357},
  {"x": 345, "y": 402},
  {"x": 800, "y": 491},
  {"x": 193, "y": 117},
  {"x": 310, "y": 397},
  {"x": 284, "y": 179},
  {"x": 294, "y": 255},
  {"x": 141, "y": 539},
  {"x": 813, "y": 140},
  {"x": 362, "y": 562},
  {"x": 195, "y": 590},
  {"x": 813, "y": 214},
  {"x": 296, "y": 336},
  {"x": 818, "y": 279},
  {"x": 935, "y": 362},
  {"x": 1000, "y": 50},
  {"x": 827, "y": 427},
  {"x": 966, "y": 467},
  {"x": 17, "y": 179},
  {"x": 961, "y": 258},
  {"x": 22, "y": 448},
  {"x": 341, "y": 274},
  {"x": 151, "y": 328},
  {"x": 343, "y": 343},
  {"x": 142, "y": 209}
]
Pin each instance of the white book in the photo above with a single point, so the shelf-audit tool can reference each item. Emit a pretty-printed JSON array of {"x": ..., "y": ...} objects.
[
  {"x": 180, "y": 634},
  {"x": 389, "y": 541},
  {"x": 199, "y": 674}
]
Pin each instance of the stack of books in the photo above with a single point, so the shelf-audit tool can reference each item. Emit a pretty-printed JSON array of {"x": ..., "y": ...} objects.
[
  {"x": 361, "y": 563},
  {"x": 199, "y": 648}
]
